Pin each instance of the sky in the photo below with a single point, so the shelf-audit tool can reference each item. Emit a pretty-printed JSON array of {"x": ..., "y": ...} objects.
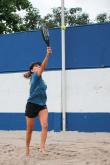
[{"x": 91, "y": 7}]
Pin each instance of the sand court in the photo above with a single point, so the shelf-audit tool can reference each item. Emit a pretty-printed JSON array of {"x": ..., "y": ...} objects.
[{"x": 62, "y": 148}]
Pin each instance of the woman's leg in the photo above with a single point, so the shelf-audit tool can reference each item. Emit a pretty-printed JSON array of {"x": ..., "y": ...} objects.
[
  {"x": 30, "y": 125},
  {"x": 43, "y": 117}
]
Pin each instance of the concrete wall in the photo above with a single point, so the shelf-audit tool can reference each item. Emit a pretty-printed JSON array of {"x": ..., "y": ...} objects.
[
  {"x": 87, "y": 79},
  {"x": 87, "y": 100}
]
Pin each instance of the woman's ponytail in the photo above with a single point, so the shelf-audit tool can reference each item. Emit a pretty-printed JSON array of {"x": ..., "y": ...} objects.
[{"x": 27, "y": 74}]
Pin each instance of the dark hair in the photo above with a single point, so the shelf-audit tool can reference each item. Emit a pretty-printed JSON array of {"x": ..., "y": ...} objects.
[{"x": 29, "y": 73}]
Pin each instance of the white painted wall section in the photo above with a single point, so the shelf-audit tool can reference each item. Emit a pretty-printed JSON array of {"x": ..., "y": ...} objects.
[
  {"x": 14, "y": 91},
  {"x": 87, "y": 90}
]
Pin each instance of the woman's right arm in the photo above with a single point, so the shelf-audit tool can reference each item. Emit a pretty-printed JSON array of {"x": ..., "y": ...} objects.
[{"x": 45, "y": 61}]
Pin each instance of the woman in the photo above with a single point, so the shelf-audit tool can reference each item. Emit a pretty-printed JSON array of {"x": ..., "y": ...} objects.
[{"x": 36, "y": 103}]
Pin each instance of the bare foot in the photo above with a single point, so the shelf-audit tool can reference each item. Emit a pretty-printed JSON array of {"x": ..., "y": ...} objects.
[{"x": 42, "y": 150}]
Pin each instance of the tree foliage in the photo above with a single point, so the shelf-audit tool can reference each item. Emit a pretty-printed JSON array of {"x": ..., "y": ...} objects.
[
  {"x": 12, "y": 21},
  {"x": 77, "y": 17},
  {"x": 101, "y": 18},
  {"x": 73, "y": 16},
  {"x": 32, "y": 19},
  {"x": 54, "y": 19}
]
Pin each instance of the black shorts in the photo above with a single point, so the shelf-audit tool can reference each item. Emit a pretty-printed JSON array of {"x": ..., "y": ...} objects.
[{"x": 32, "y": 109}]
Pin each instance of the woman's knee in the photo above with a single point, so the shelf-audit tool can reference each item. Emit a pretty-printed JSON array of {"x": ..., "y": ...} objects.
[
  {"x": 44, "y": 125},
  {"x": 29, "y": 130}
]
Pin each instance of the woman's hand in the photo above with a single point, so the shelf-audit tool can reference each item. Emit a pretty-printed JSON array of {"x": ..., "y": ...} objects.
[{"x": 49, "y": 51}]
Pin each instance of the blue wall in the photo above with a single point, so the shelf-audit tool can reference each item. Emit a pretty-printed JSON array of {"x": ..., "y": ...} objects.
[
  {"x": 18, "y": 50},
  {"x": 86, "y": 47},
  {"x": 16, "y": 121},
  {"x": 83, "y": 122}
]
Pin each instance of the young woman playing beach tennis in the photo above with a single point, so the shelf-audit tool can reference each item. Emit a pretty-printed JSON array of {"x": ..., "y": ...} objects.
[{"x": 36, "y": 103}]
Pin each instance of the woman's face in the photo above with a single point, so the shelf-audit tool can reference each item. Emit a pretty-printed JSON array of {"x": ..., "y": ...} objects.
[{"x": 36, "y": 68}]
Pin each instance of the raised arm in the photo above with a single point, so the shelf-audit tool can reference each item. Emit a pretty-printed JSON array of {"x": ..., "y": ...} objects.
[{"x": 45, "y": 61}]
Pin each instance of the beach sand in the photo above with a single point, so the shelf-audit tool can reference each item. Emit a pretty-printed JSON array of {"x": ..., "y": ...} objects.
[{"x": 62, "y": 148}]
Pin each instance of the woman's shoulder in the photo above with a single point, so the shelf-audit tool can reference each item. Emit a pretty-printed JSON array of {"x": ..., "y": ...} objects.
[
  {"x": 35, "y": 74},
  {"x": 35, "y": 77}
]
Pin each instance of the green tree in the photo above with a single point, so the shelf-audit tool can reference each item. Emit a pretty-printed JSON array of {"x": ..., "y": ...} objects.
[
  {"x": 109, "y": 18},
  {"x": 77, "y": 17},
  {"x": 32, "y": 20},
  {"x": 10, "y": 19},
  {"x": 101, "y": 18},
  {"x": 54, "y": 19},
  {"x": 73, "y": 16},
  {"x": 48, "y": 20}
]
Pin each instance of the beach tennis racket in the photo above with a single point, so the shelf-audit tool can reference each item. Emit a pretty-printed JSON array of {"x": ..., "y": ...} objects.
[{"x": 45, "y": 35}]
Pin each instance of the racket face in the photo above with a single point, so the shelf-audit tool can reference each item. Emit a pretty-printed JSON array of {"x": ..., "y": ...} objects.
[{"x": 45, "y": 34}]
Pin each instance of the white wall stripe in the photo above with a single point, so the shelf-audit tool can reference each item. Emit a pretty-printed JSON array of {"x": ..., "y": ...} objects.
[
  {"x": 14, "y": 90},
  {"x": 87, "y": 90}
]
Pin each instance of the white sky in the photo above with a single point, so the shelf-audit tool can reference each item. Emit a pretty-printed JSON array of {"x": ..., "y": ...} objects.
[{"x": 92, "y": 7}]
